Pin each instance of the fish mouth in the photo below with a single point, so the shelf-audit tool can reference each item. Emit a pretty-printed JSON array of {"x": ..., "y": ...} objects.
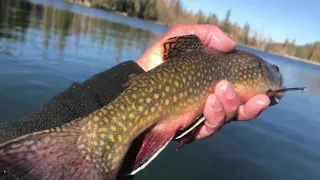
[{"x": 277, "y": 95}]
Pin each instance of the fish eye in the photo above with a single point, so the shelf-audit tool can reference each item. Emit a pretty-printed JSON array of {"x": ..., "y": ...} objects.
[{"x": 275, "y": 67}]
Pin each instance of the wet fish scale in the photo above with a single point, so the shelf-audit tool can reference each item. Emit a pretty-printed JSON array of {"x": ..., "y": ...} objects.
[
  {"x": 195, "y": 90},
  {"x": 172, "y": 96},
  {"x": 167, "y": 98}
]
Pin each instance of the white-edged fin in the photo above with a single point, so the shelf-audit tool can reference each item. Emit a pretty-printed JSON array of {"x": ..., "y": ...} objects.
[
  {"x": 196, "y": 124},
  {"x": 142, "y": 166}
]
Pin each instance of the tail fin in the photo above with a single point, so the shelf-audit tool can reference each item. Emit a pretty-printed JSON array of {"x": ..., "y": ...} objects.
[{"x": 49, "y": 154}]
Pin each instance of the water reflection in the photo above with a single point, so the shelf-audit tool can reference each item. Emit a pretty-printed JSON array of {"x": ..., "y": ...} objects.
[{"x": 26, "y": 27}]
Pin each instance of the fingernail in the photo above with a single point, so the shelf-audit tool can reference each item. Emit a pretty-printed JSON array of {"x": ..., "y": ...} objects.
[
  {"x": 220, "y": 36},
  {"x": 261, "y": 103},
  {"x": 228, "y": 91},
  {"x": 215, "y": 103}
]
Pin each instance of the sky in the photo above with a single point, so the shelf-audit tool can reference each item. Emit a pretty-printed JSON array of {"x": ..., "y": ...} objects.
[{"x": 278, "y": 19}]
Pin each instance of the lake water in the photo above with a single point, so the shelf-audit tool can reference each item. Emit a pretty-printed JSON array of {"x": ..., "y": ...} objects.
[{"x": 46, "y": 45}]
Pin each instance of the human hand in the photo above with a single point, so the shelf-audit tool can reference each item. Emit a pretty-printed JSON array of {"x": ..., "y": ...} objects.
[{"x": 224, "y": 104}]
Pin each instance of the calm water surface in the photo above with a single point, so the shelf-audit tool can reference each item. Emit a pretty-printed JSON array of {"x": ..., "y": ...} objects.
[{"x": 47, "y": 45}]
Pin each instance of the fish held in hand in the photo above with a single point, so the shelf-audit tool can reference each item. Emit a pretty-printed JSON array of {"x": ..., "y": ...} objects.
[{"x": 156, "y": 103}]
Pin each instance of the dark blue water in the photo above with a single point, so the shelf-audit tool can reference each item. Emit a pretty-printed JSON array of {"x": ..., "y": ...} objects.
[{"x": 45, "y": 47}]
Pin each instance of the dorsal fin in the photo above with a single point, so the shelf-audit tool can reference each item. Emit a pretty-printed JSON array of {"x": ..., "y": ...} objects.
[{"x": 180, "y": 44}]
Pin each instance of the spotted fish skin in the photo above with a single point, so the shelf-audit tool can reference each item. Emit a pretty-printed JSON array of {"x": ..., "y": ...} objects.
[{"x": 165, "y": 99}]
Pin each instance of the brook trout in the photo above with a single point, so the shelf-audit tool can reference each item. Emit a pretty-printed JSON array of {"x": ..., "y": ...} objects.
[{"x": 158, "y": 102}]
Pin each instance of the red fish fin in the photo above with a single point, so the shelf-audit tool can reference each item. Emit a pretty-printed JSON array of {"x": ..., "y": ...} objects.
[
  {"x": 185, "y": 140},
  {"x": 153, "y": 143},
  {"x": 195, "y": 124},
  {"x": 49, "y": 154},
  {"x": 180, "y": 44},
  {"x": 187, "y": 135}
]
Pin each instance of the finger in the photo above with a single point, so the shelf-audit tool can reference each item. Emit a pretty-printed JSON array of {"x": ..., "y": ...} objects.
[
  {"x": 214, "y": 114},
  {"x": 229, "y": 99},
  {"x": 252, "y": 108}
]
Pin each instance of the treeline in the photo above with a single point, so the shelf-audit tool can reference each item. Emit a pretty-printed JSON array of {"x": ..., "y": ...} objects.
[{"x": 171, "y": 12}]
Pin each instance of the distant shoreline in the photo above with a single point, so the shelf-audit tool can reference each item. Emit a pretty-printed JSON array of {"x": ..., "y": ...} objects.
[
  {"x": 284, "y": 55},
  {"x": 87, "y": 4}
]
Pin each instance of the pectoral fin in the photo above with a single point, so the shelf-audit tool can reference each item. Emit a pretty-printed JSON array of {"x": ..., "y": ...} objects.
[
  {"x": 190, "y": 128},
  {"x": 159, "y": 136},
  {"x": 186, "y": 135}
]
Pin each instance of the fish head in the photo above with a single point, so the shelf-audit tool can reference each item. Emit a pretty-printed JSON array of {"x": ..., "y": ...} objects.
[
  {"x": 274, "y": 81},
  {"x": 252, "y": 75}
]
